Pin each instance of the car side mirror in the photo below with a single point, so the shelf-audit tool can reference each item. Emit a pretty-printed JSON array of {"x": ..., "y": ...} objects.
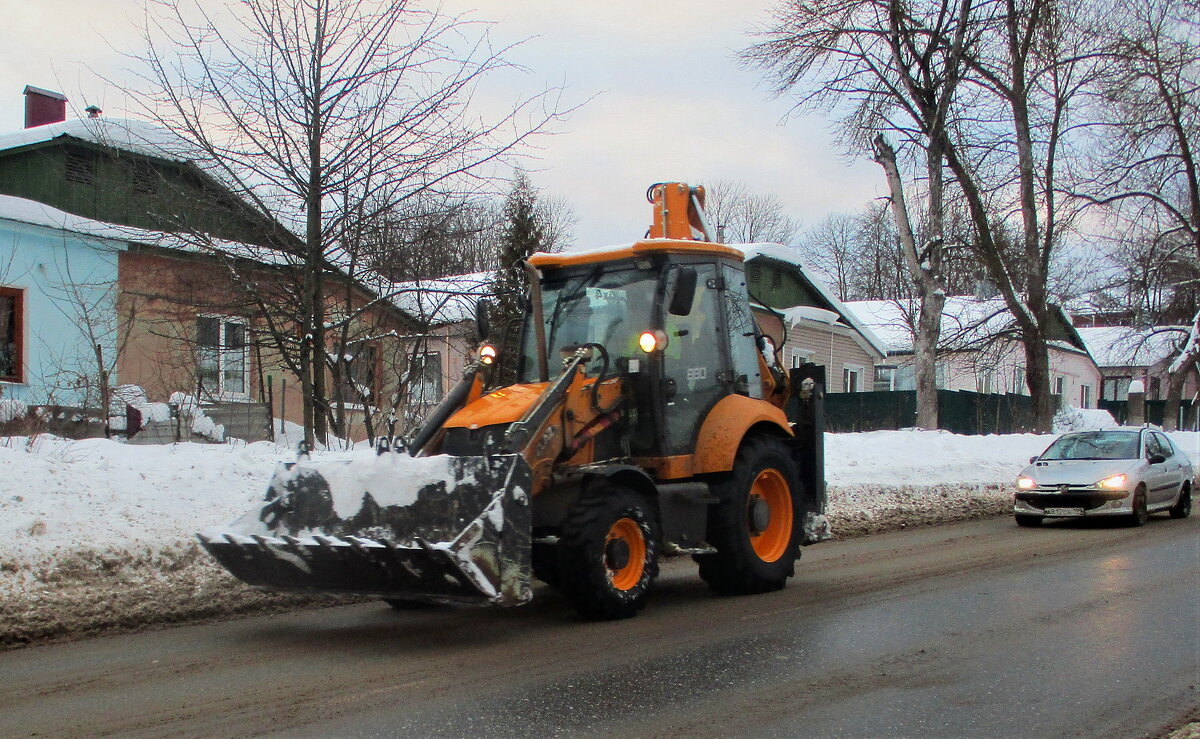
[
  {"x": 685, "y": 292},
  {"x": 1033, "y": 459},
  {"x": 1157, "y": 459},
  {"x": 483, "y": 326}
]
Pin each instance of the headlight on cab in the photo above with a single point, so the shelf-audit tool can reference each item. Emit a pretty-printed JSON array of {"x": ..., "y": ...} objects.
[
  {"x": 487, "y": 354},
  {"x": 1026, "y": 483},
  {"x": 1116, "y": 482}
]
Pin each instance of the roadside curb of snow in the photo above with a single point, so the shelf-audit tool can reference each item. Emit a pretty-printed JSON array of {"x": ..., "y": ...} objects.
[{"x": 92, "y": 593}]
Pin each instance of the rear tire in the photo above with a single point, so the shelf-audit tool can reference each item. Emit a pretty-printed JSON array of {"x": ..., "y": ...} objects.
[
  {"x": 1026, "y": 520},
  {"x": 1141, "y": 514},
  {"x": 1183, "y": 506},
  {"x": 755, "y": 524},
  {"x": 608, "y": 553}
]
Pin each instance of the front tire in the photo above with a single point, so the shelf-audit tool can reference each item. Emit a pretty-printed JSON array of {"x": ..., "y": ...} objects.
[
  {"x": 608, "y": 553},
  {"x": 1183, "y": 506},
  {"x": 1141, "y": 513},
  {"x": 756, "y": 522}
]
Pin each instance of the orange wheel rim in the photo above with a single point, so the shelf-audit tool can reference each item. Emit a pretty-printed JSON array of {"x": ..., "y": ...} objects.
[
  {"x": 628, "y": 576},
  {"x": 770, "y": 487}
]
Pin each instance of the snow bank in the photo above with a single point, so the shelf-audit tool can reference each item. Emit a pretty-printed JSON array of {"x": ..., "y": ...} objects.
[{"x": 59, "y": 496}]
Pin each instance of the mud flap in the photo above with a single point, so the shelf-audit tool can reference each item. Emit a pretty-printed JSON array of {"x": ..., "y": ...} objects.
[{"x": 442, "y": 529}]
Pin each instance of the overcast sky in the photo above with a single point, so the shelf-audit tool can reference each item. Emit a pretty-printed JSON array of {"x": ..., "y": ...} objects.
[{"x": 668, "y": 99}]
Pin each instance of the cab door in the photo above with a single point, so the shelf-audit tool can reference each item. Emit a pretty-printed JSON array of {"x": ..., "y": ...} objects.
[{"x": 694, "y": 361}]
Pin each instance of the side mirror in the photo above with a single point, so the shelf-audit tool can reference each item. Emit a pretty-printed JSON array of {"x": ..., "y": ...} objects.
[
  {"x": 1033, "y": 459},
  {"x": 1157, "y": 459},
  {"x": 685, "y": 292},
  {"x": 483, "y": 327}
]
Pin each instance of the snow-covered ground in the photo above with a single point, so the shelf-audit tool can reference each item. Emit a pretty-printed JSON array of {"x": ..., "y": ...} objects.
[
  {"x": 61, "y": 496},
  {"x": 98, "y": 535}
]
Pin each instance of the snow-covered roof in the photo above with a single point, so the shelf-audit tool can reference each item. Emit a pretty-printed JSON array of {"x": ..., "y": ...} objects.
[
  {"x": 1124, "y": 346},
  {"x": 966, "y": 321},
  {"x": 135, "y": 136},
  {"x": 22, "y": 210},
  {"x": 791, "y": 257},
  {"x": 446, "y": 300}
]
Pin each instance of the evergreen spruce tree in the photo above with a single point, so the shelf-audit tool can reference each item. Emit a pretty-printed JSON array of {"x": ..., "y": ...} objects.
[{"x": 524, "y": 234}]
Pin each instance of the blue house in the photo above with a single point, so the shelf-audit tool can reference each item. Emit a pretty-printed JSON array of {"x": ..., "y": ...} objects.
[{"x": 58, "y": 288}]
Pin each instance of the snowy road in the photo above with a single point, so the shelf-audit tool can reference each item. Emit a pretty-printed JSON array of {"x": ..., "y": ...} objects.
[{"x": 975, "y": 629}]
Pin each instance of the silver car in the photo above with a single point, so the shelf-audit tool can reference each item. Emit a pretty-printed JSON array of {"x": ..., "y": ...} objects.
[{"x": 1119, "y": 472}]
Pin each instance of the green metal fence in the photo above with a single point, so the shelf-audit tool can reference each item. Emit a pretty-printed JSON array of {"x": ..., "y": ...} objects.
[
  {"x": 959, "y": 411},
  {"x": 1154, "y": 412}
]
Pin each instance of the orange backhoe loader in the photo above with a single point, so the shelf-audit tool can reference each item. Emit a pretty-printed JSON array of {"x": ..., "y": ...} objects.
[{"x": 649, "y": 418}]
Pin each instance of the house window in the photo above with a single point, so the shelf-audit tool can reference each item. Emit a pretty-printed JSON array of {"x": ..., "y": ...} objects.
[
  {"x": 797, "y": 358},
  {"x": 755, "y": 273},
  {"x": 1085, "y": 396},
  {"x": 358, "y": 374},
  {"x": 851, "y": 379},
  {"x": 11, "y": 334},
  {"x": 425, "y": 376},
  {"x": 1058, "y": 384},
  {"x": 145, "y": 179},
  {"x": 221, "y": 356},
  {"x": 885, "y": 378},
  {"x": 1155, "y": 389},
  {"x": 984, "y": 380},
  {"x": 1115, "y": 388},
  {"x": 81, "y": 168},
  {"x": 776, "y": 278}
]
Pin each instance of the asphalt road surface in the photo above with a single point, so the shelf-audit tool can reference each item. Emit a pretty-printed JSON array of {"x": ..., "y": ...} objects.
[{"x": 978, "y": 629}]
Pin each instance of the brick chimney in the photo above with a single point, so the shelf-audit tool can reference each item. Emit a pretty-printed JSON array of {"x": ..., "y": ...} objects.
[{"x": 44, "y": 106}]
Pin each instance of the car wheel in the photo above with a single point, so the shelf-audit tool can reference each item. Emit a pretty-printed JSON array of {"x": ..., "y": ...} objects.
[
  {"x": 1027, "y": 520},
  {"x": 1183, "y": 506},
  {"x": 1140, "y": 514}
]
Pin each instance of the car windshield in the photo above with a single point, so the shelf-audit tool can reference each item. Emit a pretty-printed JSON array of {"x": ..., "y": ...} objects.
[
  {"x": 610, "y": 307},
  {"x": 1094, "y": 445}
]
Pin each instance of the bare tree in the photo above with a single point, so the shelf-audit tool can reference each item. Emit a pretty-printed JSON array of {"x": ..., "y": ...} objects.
[
  {"x": 831, "y": 247},
  {"x": 890, "y": 66},
  {"x": 742, "y": 216},
  {"x": 323, "y": 114},
  {"x": 1148, "y": 170},
  {"x": 86, "y": 362}
]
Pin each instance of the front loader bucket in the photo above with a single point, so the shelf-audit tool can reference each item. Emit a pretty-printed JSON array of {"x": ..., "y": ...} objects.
[{"x": 442, "y": 528}]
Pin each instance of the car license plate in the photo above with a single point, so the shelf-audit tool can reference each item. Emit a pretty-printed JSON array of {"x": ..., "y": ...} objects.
[{"x": 1064, "y": 511}]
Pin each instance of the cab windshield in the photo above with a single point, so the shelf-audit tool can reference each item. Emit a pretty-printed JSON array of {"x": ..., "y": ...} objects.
[
  {"x": 603, "y": 306},
  {"x": 1094, "y": 445}
]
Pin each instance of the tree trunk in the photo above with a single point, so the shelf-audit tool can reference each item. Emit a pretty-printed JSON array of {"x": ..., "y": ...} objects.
[
  {"x": 924, "y": 277},
  {"x": 1037, "y": 378}
]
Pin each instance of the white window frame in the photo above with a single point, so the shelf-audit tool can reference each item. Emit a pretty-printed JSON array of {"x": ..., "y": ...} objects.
[
  {"x": 858, "y": 371},
  {"x": 1085, "y": 396},
  {"x": 797, "y": 357},
  {"x": 226, "y": 356},
  {"x": 419, "y": 398},
  {"x": 891, "y": 380}
]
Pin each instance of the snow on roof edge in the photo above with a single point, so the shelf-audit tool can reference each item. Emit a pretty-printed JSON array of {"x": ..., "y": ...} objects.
[{"x": 781, "y": 253}]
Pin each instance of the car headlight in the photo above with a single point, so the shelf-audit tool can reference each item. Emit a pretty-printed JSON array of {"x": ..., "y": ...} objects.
[
  {"x": 1116, "y": 482},
  {"x": 1026, "y": 483}
]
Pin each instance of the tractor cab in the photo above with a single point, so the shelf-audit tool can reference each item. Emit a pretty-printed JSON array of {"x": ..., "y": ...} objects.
[{"x": 670, "y": 318}]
